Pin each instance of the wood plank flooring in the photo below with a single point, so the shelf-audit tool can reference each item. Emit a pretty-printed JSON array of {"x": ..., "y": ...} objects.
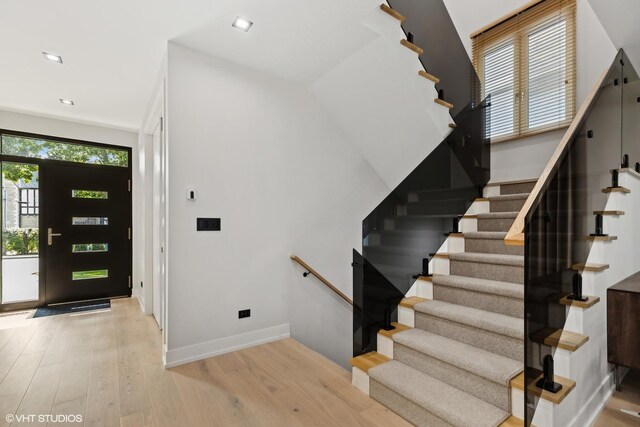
[
  {"x": 107, "y": 367},
  {"x": 628, "y": 398}
]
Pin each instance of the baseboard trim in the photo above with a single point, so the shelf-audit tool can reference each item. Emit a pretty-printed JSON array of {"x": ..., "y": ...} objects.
[
  {"x": 191, "y": 353},
  {"x": 607, "y": 386}
]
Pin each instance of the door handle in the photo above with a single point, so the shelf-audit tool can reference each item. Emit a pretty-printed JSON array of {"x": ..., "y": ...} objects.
[{"x": 51, "y": 235}]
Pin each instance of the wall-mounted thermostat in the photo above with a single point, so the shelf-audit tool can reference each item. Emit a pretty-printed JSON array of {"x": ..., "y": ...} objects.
[{"x": 191, "y": 193}]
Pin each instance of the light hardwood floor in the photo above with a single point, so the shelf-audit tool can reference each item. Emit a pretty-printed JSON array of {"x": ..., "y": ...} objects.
[
  {"x": 107, "y": 367},
  {"x": 628, "y": 398}
]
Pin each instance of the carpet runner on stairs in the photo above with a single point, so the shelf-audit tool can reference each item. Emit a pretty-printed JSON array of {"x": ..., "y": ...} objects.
[{"x": 454, "y": 367}]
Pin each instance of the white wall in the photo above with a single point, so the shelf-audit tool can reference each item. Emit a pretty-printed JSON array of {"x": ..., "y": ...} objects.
[
  {"x": 25, "y": 122},
  {"x": 265, "y": 158},
  {"x": 527, "y": 157},
  {"x": 381, "y": 103}
]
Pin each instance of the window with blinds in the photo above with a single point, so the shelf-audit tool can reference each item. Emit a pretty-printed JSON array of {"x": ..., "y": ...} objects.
[{"x": 526, "y": 62}]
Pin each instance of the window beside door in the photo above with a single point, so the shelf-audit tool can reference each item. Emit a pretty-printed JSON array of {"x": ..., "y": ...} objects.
[{"x": 527, "y": 65}]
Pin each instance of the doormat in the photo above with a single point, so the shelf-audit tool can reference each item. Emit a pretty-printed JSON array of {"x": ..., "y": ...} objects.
[
  {"x": 15, "y": 313},
  {"x": 71, "y": 308}
]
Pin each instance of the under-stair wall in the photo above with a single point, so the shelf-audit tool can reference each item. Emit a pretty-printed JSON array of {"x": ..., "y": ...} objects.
[
  {"x": 381, "y": 102},
  {"x": 403, "y": 231},
  {"x": 564, "y": 245},
  {"x": 589, "y": 366}
]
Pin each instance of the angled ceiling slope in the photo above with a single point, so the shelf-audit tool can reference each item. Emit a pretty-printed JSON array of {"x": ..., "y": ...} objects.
[{"x": 112, "y": 51}]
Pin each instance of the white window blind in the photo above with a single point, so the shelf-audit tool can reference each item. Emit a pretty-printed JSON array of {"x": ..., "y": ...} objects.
[{"x": 527, "y": 64}]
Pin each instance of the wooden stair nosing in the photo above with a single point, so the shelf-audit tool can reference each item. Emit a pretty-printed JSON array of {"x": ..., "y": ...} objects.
[
  {"x": 615, "y": 213},
  {"x": 417, "y": 49},
  {"x": 512, "y": 421},
  {"x": 560, "y": 338},
  {"x": 556, "y": 398},
  {"x": 616, "y": 190},
  {"x": 590, "y": 267},
  {"x": 399, "y": 327},
  {"x": 443, "y": 103},
  {"x": 591, "y": 301},
  {"x": 428, "y": 76},
  {"x": 444, "y": 255},
  {"x": 602, "y": 238},
  {"x": 409, "y": 302},
  {"x": 393, "y": 13},
  {"x": 369, "y": 360}
]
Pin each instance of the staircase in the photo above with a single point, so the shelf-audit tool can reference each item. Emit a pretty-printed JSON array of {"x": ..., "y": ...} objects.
[{"x": 459, "y": 341}]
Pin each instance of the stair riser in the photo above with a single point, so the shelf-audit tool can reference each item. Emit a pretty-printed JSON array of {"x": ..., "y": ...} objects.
[
  {"x": 403, "y": 407},
  {"x": 422, "y": 224},
  {"x": 483, "y": 301},
  {"x": 411, "y": 240},
  {"x": 437, "y": 208},
  {"x": 482, "y": 388},
  {"x": 500, "y": 273},
  {"x": 521, "y": 188},
  {"x": 491, "y": 246},
  {"x": 413, "y": 261},
  {"x": 506, "y": 205},
  {"x": 490, "y": 341},
  {"x": 425, "y": 196},
  {"x": 494, "y": 224}
]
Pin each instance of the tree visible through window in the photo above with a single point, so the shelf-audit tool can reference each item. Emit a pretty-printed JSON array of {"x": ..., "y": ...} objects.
[{"x": 55, "y": 150}]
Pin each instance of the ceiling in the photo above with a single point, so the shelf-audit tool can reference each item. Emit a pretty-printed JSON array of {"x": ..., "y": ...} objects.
[
  {"x": 113, "y": 50},
  {"x": 620, "y": 20}
]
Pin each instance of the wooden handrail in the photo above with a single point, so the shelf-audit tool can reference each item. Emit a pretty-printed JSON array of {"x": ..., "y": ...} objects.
[
  {"x": 515, "y": 235},
  {"x": 322, "y": 279}
]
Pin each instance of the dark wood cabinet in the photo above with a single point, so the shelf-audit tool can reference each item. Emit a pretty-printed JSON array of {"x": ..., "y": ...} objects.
[{"x": 623, "y": 323}]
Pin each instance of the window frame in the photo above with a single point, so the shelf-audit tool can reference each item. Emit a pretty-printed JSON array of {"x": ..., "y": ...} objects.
[
  {"x": 495, "y": 36},
  {"x": 30, "y": 206}
]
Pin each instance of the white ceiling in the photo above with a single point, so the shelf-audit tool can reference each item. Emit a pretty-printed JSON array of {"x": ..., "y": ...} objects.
[
  {"x": 113, "y": 49},
  {"x": 620, "y": 18}
]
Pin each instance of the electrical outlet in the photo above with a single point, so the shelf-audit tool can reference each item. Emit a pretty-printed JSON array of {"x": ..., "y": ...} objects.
[{"x": 244, "y": 313}]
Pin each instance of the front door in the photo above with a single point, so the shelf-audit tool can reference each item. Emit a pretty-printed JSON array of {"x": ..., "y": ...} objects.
[{"x": 88, "y": 232}]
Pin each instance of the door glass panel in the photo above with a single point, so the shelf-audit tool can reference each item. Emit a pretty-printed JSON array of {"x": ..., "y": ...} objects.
[
  {"x": 89, "y": 247},
  {"x": 55, "y": 150},
  {"x": 90, "y": 220},
  {"x": 89, "y": 194},
  {"x": 90, "y": 274},
  {"x": 20, "y": 232}
]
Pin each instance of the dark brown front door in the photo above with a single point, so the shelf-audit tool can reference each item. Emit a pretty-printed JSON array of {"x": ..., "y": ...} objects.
[{"x": 88, "y": 232}]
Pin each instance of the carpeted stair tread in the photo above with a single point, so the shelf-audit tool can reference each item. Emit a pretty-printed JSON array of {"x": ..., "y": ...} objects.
[
  {"x": 505, "y": 197},
  {"x": 489, "y": 235},
  {"x": 498, "y": 215},
  {"x": 483, "y": 363},
  {"x": 512, "y": 290},
  {"x": 498, "y": 259},
  {"x": 446, "y": 402},
  {"x": 493, "y": 322}
]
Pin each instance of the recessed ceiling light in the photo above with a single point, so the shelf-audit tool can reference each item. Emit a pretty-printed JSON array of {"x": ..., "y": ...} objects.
[
  {"x": 53, "y": 58},
  {"x": 242, "y": 24},
  {"x": 67, "y": 102}
]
